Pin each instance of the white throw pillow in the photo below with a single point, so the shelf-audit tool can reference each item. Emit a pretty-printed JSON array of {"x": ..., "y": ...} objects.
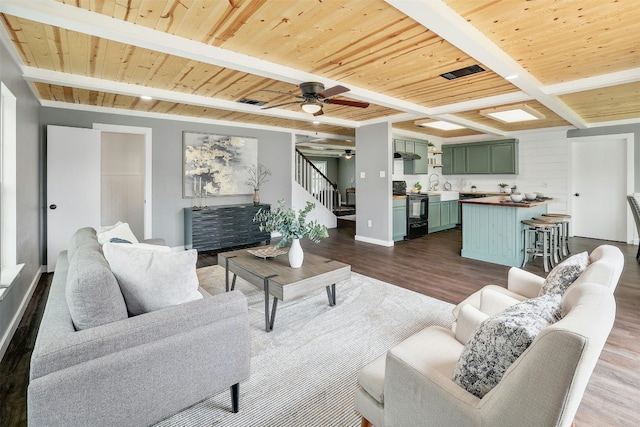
[
  {"x": 119, "y": 231},
  {"x": 499, "y": 340},
  {"x": 564, "y": 274},
  {"x": 151, "y": 279}
]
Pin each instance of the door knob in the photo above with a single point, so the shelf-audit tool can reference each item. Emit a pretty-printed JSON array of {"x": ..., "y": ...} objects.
[
  {"x": 577, "y": 194},
  {"x": 52, "y": 206}
]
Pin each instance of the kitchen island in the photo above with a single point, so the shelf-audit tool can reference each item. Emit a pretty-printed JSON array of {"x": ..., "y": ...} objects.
[{"x": 492, "y": 228}]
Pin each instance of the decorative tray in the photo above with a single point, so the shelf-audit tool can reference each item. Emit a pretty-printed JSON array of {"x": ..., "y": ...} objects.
[{"x": 269, "y": 252}]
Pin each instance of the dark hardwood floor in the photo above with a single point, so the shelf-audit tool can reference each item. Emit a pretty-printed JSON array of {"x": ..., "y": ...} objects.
[{"x": 432, "y": 266}]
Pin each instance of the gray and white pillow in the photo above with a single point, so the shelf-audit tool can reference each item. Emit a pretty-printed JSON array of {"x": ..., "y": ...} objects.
[
  {"x": 499, "y": 340},
  {"x": 153, "y": 279},
  {"x": 564, "y": 274}
]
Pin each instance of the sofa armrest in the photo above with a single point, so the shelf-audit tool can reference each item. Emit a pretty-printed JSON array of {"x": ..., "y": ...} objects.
[
  {"x": 493, "y": 302},
  {"x": 524, "y": 283},
  {"x": 415, "y": 393},
  {"x": 74, "y": 348},
  {"x": 155, "y": 241},
  {"x": 468, "y": 320}
]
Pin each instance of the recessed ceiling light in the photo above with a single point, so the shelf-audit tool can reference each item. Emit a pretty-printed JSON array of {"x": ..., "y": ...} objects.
[
  {"x": 146, "y": 97},
  {"x": 440, "y": 125},
  {"x": 512, "y": 77},
  {"x": 513, "y": 114},
  {"x": 315, "y": 122}
]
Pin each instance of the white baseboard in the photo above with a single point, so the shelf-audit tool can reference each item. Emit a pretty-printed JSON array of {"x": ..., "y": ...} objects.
[
  {"x": 15, "y": 322},
  {"x": 378, "y": 242}
]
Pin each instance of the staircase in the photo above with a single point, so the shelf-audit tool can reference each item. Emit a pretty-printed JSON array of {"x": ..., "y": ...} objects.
[{"x": 315, "y": 182}]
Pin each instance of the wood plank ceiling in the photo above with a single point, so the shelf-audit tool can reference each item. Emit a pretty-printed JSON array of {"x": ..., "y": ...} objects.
[{"x": 577, "y": 61}]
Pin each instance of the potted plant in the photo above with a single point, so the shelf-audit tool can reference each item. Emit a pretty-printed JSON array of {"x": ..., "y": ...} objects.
[
  {"x": 258, "y": 175},
  {"x": 473, "y": 188},
  {"x": 293, "y": 226},
  {"x": 418, "y": 187},
  {"x": 502, "y": 186}
]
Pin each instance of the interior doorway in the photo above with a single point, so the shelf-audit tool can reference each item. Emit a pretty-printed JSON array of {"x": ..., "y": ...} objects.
[
  {"x": 601, "y": 177},
  {"x": 122, "y": 180}
]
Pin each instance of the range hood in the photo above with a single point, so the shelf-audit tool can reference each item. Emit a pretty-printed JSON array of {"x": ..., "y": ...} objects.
[{"x": 406, "y": 156}]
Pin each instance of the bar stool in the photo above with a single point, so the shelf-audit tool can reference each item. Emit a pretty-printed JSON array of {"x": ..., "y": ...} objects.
[
  {"x": 565, "y": 230},
  {"x": 557, "y": 235},
  {"x": 539, "y": 242}
]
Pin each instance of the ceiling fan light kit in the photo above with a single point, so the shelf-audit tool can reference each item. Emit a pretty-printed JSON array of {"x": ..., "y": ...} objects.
[
  {"x": 311, "y": 107},
  {"x": 313, "y": 95}
]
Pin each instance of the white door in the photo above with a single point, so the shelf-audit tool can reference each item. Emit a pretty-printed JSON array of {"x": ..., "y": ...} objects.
[
  {"x": 599, "y": 189},
  {"x": 73, "y": 185}
]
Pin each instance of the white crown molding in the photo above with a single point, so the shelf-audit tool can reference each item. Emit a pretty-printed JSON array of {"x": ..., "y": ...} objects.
[{"x": 186, "y": 119}]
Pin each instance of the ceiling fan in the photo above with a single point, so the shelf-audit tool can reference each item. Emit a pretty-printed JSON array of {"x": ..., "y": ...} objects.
[
  {"x": 348, "y": 154},
  {"x": 313, "y": 96}
]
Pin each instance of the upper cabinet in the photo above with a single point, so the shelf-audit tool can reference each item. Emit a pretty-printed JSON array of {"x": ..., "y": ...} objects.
[
  {"x": 427, "y": 155},
  {"x": 488, "y": 157}
]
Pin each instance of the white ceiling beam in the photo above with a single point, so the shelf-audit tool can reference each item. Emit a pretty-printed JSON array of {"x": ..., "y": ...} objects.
[
  {"x": 438, "y": 17},
  {"x": 74, "y": 18},
  {"x": 178, "y": 117},
  {"x": 92, "y": 83},
  {"x": 595, "y": 82}
]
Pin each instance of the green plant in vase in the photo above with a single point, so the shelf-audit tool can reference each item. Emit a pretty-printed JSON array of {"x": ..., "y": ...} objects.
[
  {"x": 293, "y": 226},
  {"x": 502, "y": 186}
]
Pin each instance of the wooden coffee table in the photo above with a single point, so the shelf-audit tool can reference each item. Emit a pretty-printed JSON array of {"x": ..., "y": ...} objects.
[{"x": 276, "y": 278}]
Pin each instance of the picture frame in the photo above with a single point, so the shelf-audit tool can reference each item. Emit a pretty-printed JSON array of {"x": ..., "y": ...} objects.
[{"x": 216, "y": 165}]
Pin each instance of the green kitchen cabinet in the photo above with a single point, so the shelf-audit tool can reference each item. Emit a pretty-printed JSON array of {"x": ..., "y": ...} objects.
[
  {"x": 434, "y": 213},
  {"x": 421, "y": 165},
  {"x": 399, "y": 218},
  {"x": 418, "y": 166},
  {"x": 442, "y": 215},
  {"x": 478, "y": 158},
  {"x": 447, "y": 160},
  {"x": 459, "y": 160},
  {"x": 399, "y": 146},
  {"x": 454, "y": 160},
  {"x": 488, "y": 157},
  {"x": 504, "y": 158}
]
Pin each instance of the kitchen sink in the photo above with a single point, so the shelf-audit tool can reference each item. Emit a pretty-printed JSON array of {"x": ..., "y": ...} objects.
[{"x": 445, "y": 195}]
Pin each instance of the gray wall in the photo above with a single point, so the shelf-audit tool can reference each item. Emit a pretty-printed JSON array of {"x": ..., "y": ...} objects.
[
  {"x": 346, "y": 176},
  {"x": 332, "y": 166},
  {"x": 274, "y": 151},
  {"x": 29, "y": 160},
  {"x": 613, "y": 130},
  {"x": 373, "y": 145}
]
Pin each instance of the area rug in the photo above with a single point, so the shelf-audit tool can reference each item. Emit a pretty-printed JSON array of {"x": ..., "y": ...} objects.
[{"x": 304, "y": 372}]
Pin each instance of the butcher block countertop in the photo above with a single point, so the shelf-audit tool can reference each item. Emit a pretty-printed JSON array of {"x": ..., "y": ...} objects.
[{"x": 507, "y": 202}]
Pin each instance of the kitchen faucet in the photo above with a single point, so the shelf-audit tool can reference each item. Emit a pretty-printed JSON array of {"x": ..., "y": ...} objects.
[{"x": 433, "y": 186}]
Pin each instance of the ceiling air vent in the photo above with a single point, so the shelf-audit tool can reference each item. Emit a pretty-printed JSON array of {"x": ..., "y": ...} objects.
[
  {"x": 467, "y": 71},
  {"x": 252, "y": 101}
]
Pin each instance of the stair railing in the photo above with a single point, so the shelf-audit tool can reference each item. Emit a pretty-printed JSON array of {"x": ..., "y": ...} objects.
[{"x": 315, "y": 182}]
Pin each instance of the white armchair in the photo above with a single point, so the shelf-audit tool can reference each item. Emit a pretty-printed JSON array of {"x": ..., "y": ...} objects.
[{"x": 412, "y": 385}]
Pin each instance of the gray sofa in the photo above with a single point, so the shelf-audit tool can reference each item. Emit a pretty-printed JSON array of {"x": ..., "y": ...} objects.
[{"x": 138, "y": 370}]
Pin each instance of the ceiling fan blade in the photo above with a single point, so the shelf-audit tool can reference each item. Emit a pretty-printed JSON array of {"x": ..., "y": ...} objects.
[
  {"x": 333, "y": 91},
  {"x": 281, "y": 93},
  {"x": 280, "y": 105},
  {"x": 346, "y": 102},
  {"x": 319, "y": 113}
]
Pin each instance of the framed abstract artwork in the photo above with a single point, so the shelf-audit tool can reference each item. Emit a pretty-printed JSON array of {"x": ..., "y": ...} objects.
[{"x": 216, "y": 165}]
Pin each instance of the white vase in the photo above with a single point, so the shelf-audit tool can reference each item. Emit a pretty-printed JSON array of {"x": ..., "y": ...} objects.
[{"x": 296, "y": 255}]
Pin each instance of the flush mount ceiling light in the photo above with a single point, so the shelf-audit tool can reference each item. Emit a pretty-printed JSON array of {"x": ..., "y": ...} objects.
[
  {"x": 439, "y": 125},
  {"x": 513, "y": 114},
  {"x": 311, "y": 107},
  {"x": 146, "y": 97}
]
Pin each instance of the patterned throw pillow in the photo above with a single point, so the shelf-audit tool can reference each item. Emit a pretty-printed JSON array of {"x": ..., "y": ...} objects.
[
  {"x": 564, "y": 274},
  {"x": 500, "y": 340}
]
